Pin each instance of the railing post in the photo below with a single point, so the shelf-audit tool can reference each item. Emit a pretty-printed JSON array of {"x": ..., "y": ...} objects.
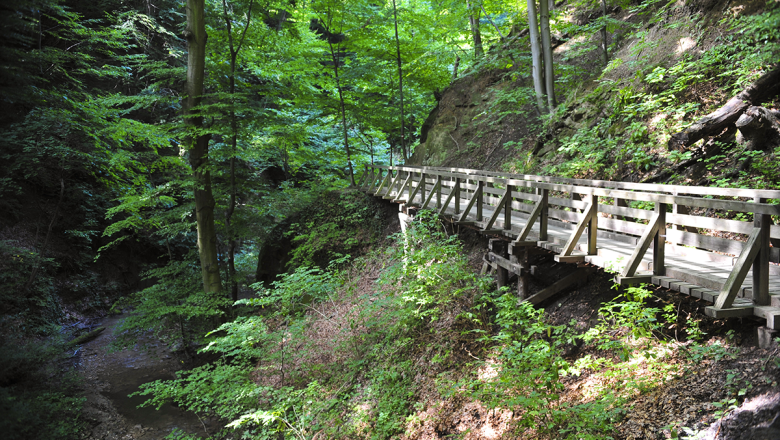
[
  {"x": 410, "y": 186},
  {"x": 422, "y": 188},
  {"x": 508, "y": 208},
  {"x": 457, "y": 195},
  {"x": 543, "y": 214},
  {"x": 659, "y": 241},
  {"x": 368, "y": 183},
  {"x": 761, "y": 263},
  {"x": 439, "y": 183},
  {"x": 480, "y": 197},
  {"x": 593, "y": 225}
]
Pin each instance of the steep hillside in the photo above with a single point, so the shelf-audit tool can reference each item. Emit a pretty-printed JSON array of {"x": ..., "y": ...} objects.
[{"x": 670, "y": 64}]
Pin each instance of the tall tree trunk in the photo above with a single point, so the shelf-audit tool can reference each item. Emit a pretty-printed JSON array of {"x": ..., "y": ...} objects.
[
  {"x": 605, "y": 52},
  {"x": 536, "y": 55},
  {"x": 400, "y": 82},
  {"x": 198, "y": 144},
  {"x": 549, "y": 74},
  {"x": 475, "y": 34},
  {"x": 336, "y": 59},
  {"x": 232, "y": 236}
]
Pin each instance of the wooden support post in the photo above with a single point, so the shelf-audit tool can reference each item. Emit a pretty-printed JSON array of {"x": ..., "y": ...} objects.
[
  {"x": 422, "y": 187},
  {"x": 508, "y": 208},
  {"x": 439, "y": 185},
  {"x": 479, "y": 195},
  {"x": 543, "y": 214},
  {"x": 593, "y": 225},
  {"x": 578, "y": 277},
  {"x": 456, "y": 191},
  {"x": 376, "y": 174},
  {"x": 371, "y": 181},
  {"x": 363, "y": 177},
  {"x": 407, "y": 186},
  {"x": 650, "y": 234},
  {"x": 761, "y": 263},
  {"x": 588, "y": 220},
  {"x": 499, "y": 247},
  {"x": 540, "y": 212},
  {"x": 452, "y": 196},
  {"x": 392, "y": 183},
  {"x": 523, "y": 285},
  {"x": 504, "y": 204},
  {"x": 402, "y": 189},
  {"x": 413, "y": 194},
  {"x": 476, "y": 198},
  {"x": 384, "y": 181},
  {"x": 436, "y": 190},
  {"x": 659, "y": 241},
  {"x": 741, "y": 268}
]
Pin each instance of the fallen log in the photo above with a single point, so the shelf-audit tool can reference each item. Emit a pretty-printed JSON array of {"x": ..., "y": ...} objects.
[
  {"x": 760, "y": 127},
  {"x": 766, "y": 87},
  {"x": 86, "y": 337}
]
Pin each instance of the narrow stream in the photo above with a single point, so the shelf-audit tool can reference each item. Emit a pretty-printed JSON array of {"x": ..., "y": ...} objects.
[{"x": 110, "y": 377}]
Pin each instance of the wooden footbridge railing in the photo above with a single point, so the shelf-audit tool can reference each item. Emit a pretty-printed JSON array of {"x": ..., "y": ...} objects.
[{"x": 695, "y": 249}]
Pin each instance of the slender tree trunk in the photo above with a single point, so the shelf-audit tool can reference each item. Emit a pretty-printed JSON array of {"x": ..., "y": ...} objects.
[
  {"x": 400, "y": 82},
  {"x": 605, "y": 52},
  {"x": 549, "y": 74},
  {"x": 232, "y": 236},
  {"x": 500, "y": 35},
  {"x": 475, "y": 34},
  {"x": 198, "y": 144},
  {"x": 455, "y": 68},
  {"x": 536, "y": 55},
  {"x": 336, "y": 59}
]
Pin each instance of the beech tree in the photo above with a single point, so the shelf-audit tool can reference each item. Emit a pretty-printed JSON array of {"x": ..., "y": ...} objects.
[
  {"x": 549, "y": 72},
  {"x": 197, "y": 144},
  {"x": 476, "y": 35},
  {"x": 234, "y": 48},
  {"x": 536, "y": 56},
  {"x": 542, "y": 70}
]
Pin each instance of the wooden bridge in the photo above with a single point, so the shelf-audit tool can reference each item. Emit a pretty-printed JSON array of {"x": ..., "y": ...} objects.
[{"x": 677, "y": 237}]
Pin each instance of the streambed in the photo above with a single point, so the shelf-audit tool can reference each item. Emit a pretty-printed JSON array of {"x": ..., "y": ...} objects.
[{"x": 110, "y": 377}]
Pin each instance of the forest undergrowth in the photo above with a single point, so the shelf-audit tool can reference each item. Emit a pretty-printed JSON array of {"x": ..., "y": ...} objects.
[{"x": 396, "y": 343}]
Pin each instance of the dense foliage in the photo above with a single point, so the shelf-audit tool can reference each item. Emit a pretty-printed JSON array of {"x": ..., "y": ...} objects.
[{"x": 97, "y": 198}]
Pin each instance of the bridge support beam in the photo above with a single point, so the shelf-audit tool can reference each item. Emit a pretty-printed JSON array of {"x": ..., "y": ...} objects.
[
  {"x": 539, "y": 212},
  {"x": 589, "y": 221},
  {"x": 741, "y": 267},
  {"x": 761, "y": 263},
  {"x": 476, "y": 199},
  {"x": 655, "y": 232},
  {"x": 505, "y": 205}
]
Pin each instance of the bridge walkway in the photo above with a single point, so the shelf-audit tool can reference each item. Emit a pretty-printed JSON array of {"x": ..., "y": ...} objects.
[{"x": 680, "y": 243}]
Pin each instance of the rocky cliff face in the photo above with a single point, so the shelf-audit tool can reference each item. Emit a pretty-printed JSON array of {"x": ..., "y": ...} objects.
[{"x": 477, "y": 122}]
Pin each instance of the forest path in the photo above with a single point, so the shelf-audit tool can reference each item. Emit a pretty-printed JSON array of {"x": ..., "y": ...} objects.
[{"x": 110, "y": 377}]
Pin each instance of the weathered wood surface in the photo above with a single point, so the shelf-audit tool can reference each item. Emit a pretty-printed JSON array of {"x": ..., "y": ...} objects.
[{"x": 603, "y": 230}]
